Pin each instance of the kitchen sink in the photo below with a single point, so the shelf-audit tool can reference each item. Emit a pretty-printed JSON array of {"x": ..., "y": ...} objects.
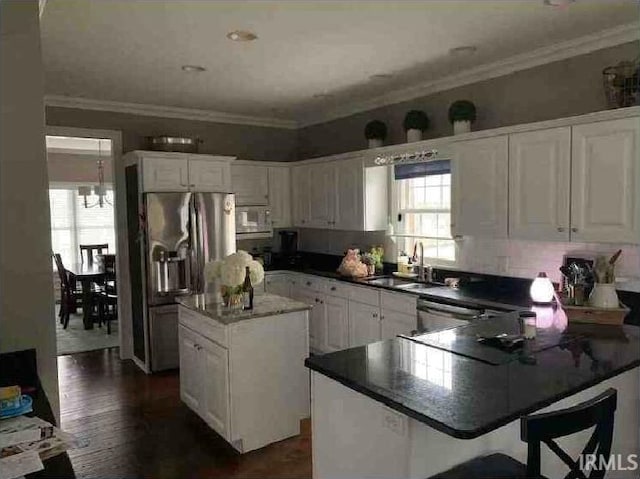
[{"x": 390, "y": 281}]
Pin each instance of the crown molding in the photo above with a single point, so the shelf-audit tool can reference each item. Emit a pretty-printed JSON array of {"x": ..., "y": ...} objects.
[
  {"x": 166, "y": 112},
  {"x": 541, "y": 56}
]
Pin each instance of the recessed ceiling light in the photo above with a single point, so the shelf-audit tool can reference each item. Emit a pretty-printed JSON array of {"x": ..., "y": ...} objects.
[
  {"x": 381, "y": 76},
  {"x": 193, "y": 68},
  {"x": 558, "y": 3},
  {"x": 242, "y": 36},
  {"x": 463, "y": 51}
]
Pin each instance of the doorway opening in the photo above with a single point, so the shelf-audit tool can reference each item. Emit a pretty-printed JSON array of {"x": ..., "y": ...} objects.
[{"x": 83, "y": 242}]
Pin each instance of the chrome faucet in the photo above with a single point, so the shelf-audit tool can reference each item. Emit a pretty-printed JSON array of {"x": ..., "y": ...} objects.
[{"x": 425, "y": 273}]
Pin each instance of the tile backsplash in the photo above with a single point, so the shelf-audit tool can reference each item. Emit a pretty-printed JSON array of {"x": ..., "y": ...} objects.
[{"x": 506, "y": 257}]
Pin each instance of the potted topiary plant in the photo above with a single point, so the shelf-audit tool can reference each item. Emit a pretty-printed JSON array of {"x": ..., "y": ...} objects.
[
  {"x": 415, "y": 122},
  {"x": 461, "y": 114},
  {"x": 375, "y": 132}
]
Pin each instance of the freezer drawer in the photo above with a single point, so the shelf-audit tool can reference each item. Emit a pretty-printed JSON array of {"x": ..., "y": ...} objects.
[{"x": 163, "y": 332}]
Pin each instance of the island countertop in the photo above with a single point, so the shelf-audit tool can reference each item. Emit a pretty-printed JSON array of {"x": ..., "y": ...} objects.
[
  {"x": 263, "y": 305},
  {"x": 466, "y": 398}
]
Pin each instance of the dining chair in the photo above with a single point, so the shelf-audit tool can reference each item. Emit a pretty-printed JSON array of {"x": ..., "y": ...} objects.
[
  {"x": 70, "y": 294},
  {"x": 107, "y": 295},
  {"x": 545, "y": 428},
  {"x": 89, "y": 251}
]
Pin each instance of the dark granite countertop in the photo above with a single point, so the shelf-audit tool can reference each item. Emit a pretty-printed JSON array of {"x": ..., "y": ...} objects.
[{"x": 466, "y": 398}]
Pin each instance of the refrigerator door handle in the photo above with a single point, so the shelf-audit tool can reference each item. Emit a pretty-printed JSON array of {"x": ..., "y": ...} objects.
[{"x": 195, "y": 249}]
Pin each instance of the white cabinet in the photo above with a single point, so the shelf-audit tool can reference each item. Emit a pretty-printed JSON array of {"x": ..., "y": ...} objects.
[
  {"x": 280, "y": 196},
  {"x": 605, "y": 182},
  {"x": 248, "y": 406},
  {"x": 162, "y": 174},
  {"x": 215, "y": 386},
  {"x": 393, "y": 323},
  {"x": 337, "y": 323},
  {"x": 191, "y": 391},
  {"x": 479, "y": 187},
  {"x": 539, "y": 184},
  {"x": 250, "y": 183},
  {"x": 300, "y": 182},
  {"x": 341, "y": 195},
  {"x": 209, "y": 175},
  {"x": 364, "y": 324},
  {"x": 183, "y": 172},
  {"x": 317, "y": 318},
  {"x": 204, "y": 379},
  {"x": 322, "y": 195}
]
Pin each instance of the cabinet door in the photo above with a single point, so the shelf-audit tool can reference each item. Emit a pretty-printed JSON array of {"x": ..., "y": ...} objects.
[
  {"x": 336, "y": 313},
  {"x": 215, "y": 383},
  {"x": 209, "y": 175},
  {"x": 300, "y": 195},
  {"x": 280, "y": 196},
  {"x": 539, "y": 184},
  {"x": 349, "y": 196},
  {"x": 250, "y": 183},
  {"x": 605, "y": 176},
  {"x": 190, "y": 369},
  {"x": 479, "y": 187},
  {"x": 364, "y": 324},
  {"x": 393, "y": 323},
  {"x": 322, "y": 195},
  {"x": 278, "y": 284},
  {"x": 317, "y": 318},
  {"x": 162, "y": 174}
]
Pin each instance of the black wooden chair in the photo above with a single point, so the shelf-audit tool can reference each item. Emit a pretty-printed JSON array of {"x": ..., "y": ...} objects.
[
  {"x": 70, "y": 294},
  {"x": 89, "y": 251},
  {"x": 107, "y": 295},
  {"x": 544, "y": 428}
]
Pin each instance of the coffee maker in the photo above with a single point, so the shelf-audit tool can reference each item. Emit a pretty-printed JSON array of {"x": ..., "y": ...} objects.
[{"x": 289, "y": 248}]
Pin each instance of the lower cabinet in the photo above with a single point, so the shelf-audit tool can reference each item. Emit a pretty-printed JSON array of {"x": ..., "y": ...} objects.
[
  {"x": 337, "y": 323},
  {"x": 246, "y": 379},
  {"x": 364, "y": 324},
  {"x": 204, "y": 379},
  {"x": 393, "y": 323}
]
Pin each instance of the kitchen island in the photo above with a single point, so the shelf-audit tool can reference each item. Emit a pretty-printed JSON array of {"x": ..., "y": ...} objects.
[
  {"x": 243, "y": 372},
  {"x": 399, "y": 408}
]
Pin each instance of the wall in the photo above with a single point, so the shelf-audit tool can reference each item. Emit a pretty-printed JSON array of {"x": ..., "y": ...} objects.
[
  {"x": 506, "y": 257},
  {"x": 26, "y": 291},
  {"x": 246, "y": 142},
  {"x": 76, "y": 168},
  {"x": 560, "y": 89}
]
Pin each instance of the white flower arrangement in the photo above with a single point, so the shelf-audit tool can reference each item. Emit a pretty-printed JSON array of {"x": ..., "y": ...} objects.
[{"x": 231, "y": 271}]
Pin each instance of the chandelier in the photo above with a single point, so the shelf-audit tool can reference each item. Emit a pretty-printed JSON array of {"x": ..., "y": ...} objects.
[{"x": 100, "y": 190}]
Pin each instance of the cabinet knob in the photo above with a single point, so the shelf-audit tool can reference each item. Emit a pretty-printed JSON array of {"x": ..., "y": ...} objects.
[
  {"x": 560, "y": 229},
  {"x": 317, "y": 300},
  {"x": 574, "y": 230},
  {"x": 375, "y": 315},
  {"x": 333, "y": 288},
  {"x": 308, "y": 283}
]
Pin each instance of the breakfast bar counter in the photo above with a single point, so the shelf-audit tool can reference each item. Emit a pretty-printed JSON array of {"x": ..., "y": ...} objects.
[{"x": 423, "y": 409}]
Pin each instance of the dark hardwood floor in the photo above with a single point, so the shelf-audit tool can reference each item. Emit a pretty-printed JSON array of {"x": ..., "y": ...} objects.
[{"x": 137, "y": 426}]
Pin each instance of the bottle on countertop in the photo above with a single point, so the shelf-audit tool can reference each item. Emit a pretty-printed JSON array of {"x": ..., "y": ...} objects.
[{"x": 247, "y": 290}]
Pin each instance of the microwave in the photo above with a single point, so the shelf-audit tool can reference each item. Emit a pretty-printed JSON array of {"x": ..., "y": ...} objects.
[{"x": 253, "y": 222}]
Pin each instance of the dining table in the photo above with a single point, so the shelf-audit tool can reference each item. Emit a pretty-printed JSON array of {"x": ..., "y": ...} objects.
[{"x": 87, "y": 274}]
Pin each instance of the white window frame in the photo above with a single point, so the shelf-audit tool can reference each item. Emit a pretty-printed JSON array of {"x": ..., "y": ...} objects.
[{"x": 395, "y": 210}]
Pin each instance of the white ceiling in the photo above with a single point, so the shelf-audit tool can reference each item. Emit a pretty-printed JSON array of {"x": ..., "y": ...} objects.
[{"x": 132, "y": 50}]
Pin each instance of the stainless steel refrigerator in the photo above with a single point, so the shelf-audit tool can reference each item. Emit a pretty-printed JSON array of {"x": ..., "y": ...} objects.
[{"x": 174, "y": 236}]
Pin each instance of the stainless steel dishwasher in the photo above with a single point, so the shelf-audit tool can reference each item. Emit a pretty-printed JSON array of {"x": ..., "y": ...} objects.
[{"x": 434, "y": 316}]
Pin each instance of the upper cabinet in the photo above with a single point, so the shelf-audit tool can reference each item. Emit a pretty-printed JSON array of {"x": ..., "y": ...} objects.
[
  {"x": 539, "y": 178},
  {"x": 342, "y": 195},
  {"x": 250, "y": 183},
  {"x": 479, "y": 187},
  {"x": 280, "y": 196},
  {"x": 183, "y": 172},
  {"x": 605, "y": 182}
]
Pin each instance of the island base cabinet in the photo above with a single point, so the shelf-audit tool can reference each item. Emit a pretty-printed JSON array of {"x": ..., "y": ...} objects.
[
  {"x": 254, "y": 389},
  {"x": 401, "y": 447}
]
